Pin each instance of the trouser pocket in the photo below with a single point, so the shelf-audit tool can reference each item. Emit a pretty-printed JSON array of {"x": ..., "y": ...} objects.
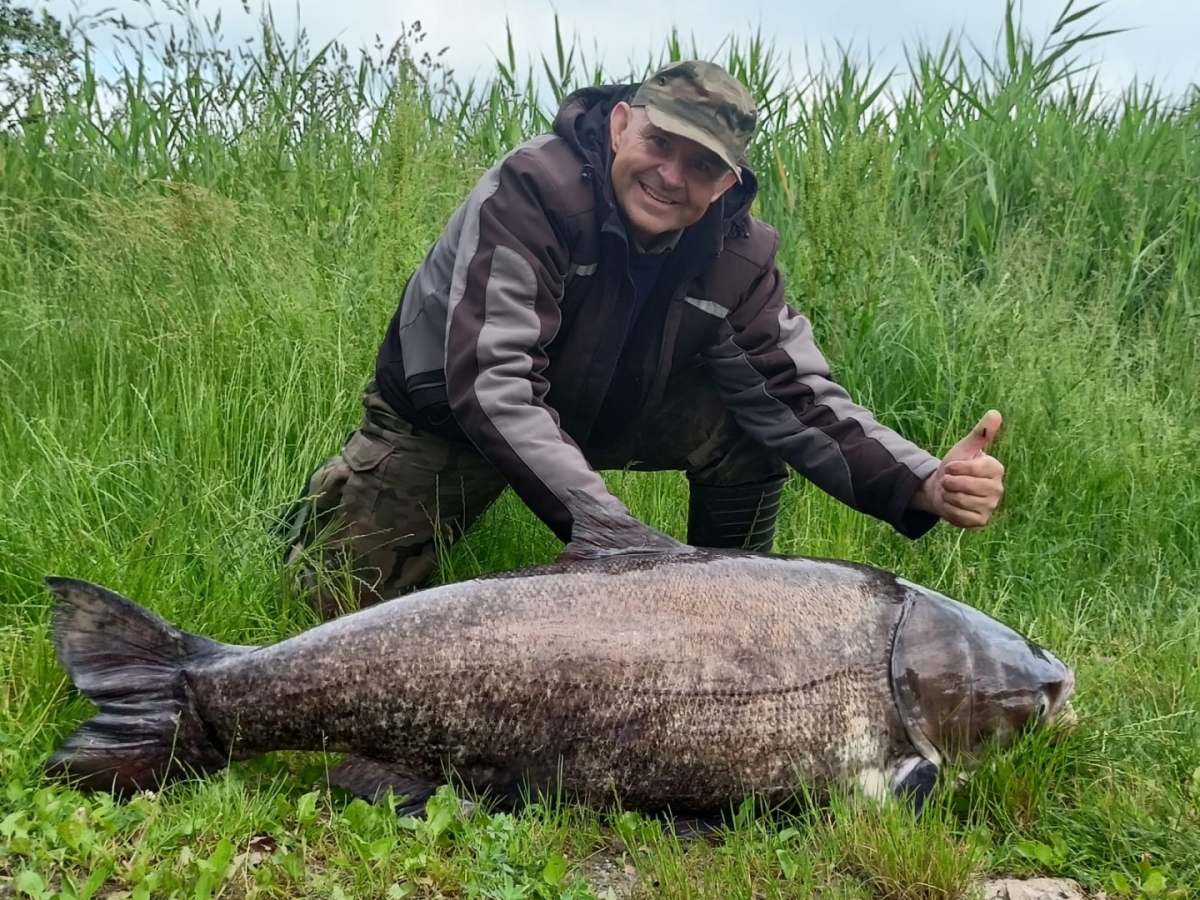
[{"x": 364, "y": 455}]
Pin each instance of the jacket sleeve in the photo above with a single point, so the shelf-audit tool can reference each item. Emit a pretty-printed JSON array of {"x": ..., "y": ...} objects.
[
  {"x": 503, "y": 309},
  {"x": 772, "y": 376}
]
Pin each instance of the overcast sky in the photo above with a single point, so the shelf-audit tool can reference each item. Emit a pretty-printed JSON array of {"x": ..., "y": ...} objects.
[{"x": 1162, "y": 42}]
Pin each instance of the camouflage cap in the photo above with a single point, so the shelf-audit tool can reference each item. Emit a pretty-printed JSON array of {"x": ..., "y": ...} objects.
[{"x": 701, "y": 101}]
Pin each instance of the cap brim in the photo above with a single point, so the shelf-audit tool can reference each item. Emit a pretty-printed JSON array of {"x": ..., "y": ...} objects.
[{"x": 674, "y": 125}]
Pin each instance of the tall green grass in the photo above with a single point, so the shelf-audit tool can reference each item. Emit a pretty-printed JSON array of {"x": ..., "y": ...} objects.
[{"x": 197, "y": 261}]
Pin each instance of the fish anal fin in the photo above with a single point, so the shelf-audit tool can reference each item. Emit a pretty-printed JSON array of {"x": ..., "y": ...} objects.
[
  {"x": 372, "y": 778},
  {"x": 913, "y": 781},
  {"x": 598, "y": 531},
  {"x": 690, "y": 827}
]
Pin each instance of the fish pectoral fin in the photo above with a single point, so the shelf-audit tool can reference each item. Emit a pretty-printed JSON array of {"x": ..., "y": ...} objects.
[
  {"x": 599, "y": 531},
  {"x": 913, "y": 781},
  {"x": 696, "y": 826},
  {"x": 372, "y": 778}
]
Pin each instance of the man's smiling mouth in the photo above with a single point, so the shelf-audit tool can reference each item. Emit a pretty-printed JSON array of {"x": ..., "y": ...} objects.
[{"x": 655, "y": 195}]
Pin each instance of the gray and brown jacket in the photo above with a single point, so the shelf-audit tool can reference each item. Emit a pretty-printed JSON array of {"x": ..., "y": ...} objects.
[{"x": 516, "y": 327}]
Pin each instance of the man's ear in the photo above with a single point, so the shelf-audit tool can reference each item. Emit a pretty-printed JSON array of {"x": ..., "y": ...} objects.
[
  {"x": 618, "y": 121},
  {"x": 727, "y": 181}
]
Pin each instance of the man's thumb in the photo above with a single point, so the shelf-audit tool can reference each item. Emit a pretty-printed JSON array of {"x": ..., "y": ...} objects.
[{"x": 981, "y": 435}]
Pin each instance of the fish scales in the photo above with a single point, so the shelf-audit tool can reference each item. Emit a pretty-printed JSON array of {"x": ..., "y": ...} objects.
[
  {"x": 636, "y": 669},
  {"x": 690, "y": 678}
]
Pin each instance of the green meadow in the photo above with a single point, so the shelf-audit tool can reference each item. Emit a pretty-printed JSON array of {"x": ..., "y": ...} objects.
[{"x": 199, "y": 254}]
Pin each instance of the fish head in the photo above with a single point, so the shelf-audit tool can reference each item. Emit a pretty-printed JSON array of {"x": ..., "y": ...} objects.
[{"x": 962, "y": 679}]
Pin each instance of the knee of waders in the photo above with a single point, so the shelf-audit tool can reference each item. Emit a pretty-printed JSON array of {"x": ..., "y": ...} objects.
[
  {"x": 322, "y": 490},
  {"x": 329, "y": 522}
]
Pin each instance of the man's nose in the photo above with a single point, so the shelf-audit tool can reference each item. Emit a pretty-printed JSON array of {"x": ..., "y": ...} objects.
[{"x": 671, "y": 172}]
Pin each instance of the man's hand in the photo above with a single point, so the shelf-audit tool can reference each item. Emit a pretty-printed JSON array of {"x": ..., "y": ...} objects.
[{"x": 968, "y": 484}]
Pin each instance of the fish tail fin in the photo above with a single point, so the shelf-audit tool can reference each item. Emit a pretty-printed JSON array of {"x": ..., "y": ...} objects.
[{"x": 130, "y": 663}]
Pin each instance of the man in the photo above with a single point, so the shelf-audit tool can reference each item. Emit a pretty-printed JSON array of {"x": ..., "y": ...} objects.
[{"x": 604, "y": 299}]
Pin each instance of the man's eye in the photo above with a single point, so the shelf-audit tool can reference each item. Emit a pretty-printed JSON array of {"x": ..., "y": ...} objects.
[{"x": 660, "y": 142}]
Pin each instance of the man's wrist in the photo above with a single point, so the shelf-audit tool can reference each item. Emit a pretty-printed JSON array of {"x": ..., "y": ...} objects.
[{"x": 922, "y": 498}]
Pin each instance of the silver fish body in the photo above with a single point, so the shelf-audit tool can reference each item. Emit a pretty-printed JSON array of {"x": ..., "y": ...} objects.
[
  {"x": 686, "y": 680},
  {"x": 661, "y": 677}
]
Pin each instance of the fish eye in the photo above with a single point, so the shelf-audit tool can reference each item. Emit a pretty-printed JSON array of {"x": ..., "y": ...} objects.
[{"x": 1043, "y": 706}]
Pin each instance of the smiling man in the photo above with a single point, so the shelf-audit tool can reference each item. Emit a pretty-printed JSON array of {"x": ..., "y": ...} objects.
[{"x": 604, "y": 299}]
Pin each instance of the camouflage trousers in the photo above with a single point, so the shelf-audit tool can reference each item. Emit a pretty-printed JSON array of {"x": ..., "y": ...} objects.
[{"x": 372, "y": 518}]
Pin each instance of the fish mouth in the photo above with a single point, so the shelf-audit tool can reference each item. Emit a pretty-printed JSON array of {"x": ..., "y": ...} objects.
[{"x": 1062, "y": 717}]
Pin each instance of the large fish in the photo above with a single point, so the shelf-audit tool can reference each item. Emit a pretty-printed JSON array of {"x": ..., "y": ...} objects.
[{"x": 634, "y": 668}]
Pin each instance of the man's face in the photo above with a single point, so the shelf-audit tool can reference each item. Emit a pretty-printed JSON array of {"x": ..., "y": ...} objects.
[{"x": 662, "y": 182}]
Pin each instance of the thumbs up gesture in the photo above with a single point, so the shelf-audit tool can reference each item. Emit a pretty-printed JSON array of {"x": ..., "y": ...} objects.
[{"x": 968, "y": 484}]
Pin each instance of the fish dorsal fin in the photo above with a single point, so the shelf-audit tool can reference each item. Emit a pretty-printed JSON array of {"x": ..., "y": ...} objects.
[{"x": 600, "y": 531}]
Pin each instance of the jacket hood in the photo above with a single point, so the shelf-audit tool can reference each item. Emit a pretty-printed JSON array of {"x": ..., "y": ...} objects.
[{"x": 582, "y": 121}]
